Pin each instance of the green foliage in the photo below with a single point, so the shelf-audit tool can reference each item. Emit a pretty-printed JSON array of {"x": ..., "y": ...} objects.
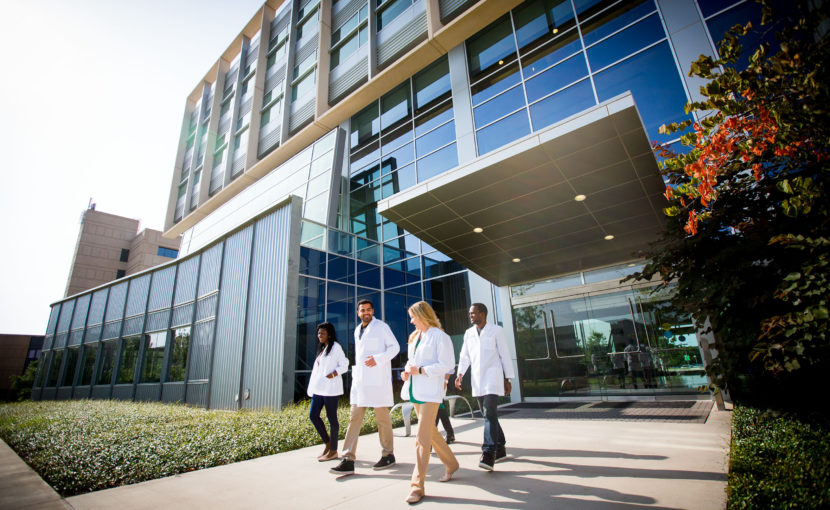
[
  {"x": 778, "y": 461},
  {"x": 747, "y": 235},
  {"x": 87, "y": 445},
  {"x": 20, "y": 387}
]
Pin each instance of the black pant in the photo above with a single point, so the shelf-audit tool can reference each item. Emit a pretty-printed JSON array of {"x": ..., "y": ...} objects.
[
  {"x": 317, "y": 403},
  {"x": 444, "y": 416}
]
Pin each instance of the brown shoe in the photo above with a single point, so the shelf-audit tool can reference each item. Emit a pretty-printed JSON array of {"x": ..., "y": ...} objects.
[
  {"x": 415, "y": 496},
  {"x": 331, "y": 455},
  {"x": 325, "y": 452}
]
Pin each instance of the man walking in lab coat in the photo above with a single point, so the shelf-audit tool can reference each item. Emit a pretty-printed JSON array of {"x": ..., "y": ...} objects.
[
  {"x": 375, "y": 346},
  {"x": 485, "y": 350}
]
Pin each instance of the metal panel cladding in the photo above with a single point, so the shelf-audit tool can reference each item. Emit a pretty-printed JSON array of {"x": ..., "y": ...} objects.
[
  {"x": 265, "y": 328},
  {"x": 161, "y": 289},
  {"x": 137, "y": 301},
  {"x": 97, "y": 306},
  {"x": 186, "y": 281},
  {"x": 115, "y": 304},
  {"x": 230, "y": 321},
  {"x": 209, "y": 273},
  {"x": 81, "y": 307}
]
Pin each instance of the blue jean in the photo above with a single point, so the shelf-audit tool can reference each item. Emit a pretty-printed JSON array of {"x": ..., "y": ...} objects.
[
  {"x": 493, "y": 434},
  {"x": 317, "y": 403}
]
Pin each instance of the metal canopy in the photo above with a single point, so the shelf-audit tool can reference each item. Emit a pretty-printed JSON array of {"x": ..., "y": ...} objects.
[{"x": 523, "y": 197}]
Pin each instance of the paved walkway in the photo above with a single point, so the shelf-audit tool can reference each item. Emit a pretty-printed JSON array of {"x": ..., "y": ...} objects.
[{"x": 633, "y": 460}]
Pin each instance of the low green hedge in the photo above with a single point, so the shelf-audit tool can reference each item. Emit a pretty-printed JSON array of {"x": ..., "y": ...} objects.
[
  {"x": 778, "y": 461},
  {"x": 87, "y": 445}
]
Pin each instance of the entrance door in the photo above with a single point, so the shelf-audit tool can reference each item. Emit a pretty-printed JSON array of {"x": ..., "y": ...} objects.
[{"x": 604, "y": 345}]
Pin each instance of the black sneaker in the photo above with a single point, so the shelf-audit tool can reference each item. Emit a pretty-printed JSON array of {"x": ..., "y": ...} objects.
[
  {"x": 346, "y": 467},
  {"x": 450, "y": 439},
  {"x": 501, "y": 454},
  {"x": 487, "y": 461},
  {"x": 384, "y": 462}
]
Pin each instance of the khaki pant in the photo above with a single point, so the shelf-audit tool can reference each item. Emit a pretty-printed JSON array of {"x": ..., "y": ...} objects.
[
  {"x": 355, "y": 424},
  {"x": 428, "y": 438}
]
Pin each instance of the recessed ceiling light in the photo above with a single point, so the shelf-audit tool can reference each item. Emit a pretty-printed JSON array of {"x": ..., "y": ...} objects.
[
  {"x": 555, "y": 30},
  {"x": 517, "y": 259},
  {"x": 478, "y": 230},
  {"x": 608, "y": 237},
  {"x": 580, "y": 198},
  {"x": 501, "y": 62}
]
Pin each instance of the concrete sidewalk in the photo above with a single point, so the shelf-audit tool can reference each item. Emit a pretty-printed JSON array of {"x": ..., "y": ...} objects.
[{"x": 639, "y": 460}]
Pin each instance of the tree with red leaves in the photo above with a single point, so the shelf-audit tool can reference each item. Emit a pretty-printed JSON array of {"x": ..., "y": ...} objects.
[{"x": 747, "y": 238}]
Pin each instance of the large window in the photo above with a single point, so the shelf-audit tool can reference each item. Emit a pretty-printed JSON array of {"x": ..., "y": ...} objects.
[
  {"x": 71, "y": 366},
  {"x": 129, "y": 359},
  {"x": 88, "y": 364},
  {"x": 388, "y": 10},
  {"x": 349, "y": 37},
  {"x": 107, "y": 364},
  {"x": 178, "y": 355},
  {"x": 154, "y": 344}
]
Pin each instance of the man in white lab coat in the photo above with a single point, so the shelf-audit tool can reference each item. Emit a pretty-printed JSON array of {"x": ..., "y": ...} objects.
[
  {"x": 485, "y": 350},
  {"x": 375, "y": 346}
]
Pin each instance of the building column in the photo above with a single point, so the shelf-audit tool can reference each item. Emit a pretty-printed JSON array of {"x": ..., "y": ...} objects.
[
  {"x": 462, "y": 104},
  {"x": 252, "y": 152}
]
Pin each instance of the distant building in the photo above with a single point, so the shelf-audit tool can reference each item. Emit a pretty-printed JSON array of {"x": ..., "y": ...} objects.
[
  {"x": 16, "y": 352},
  {"x": 111, "y": 247}
]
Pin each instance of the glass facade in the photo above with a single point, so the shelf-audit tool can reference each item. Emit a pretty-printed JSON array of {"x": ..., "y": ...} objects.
[{"x": 580, "y": 334}]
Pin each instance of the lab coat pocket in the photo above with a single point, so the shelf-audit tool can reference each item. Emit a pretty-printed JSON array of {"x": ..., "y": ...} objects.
[{"x": 371, "y": 376}]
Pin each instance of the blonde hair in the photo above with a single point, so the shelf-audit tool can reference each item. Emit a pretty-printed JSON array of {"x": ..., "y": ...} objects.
[{"x": 422, "y": 311}]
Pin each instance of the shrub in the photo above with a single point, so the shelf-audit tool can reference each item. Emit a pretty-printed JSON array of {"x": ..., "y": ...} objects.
[
  {"x": 87, "y": 445},
  {"x": 778, "y": 461}
]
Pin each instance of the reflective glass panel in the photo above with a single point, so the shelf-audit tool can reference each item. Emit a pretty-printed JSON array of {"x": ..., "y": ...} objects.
[
  {"x": 364, "y": 126},
  {"x": 57, "y": 360},
  {"x": 397, "y": 159},
  {"x": 71, "y": 366},
  {"x": 614, "y": 19},
  {"x": 88, "y": 364},
  {"x": 497, "y": 82},
  {"x": 178, "y": 355},
  {"x": 499, "y": 106},
  {"x": 538, "y": 20},
  {"x": 493, "y": 44},
  {"x": 341, "y": 269},
  {"x": 368, "y": 275},
  {"x": 340, "y": 243},
  {"x": 312, "y": 262},
  {"x": 562, "y": 47},
  {"x": 395, "y": 107},
  {"x": 626, "y": 42},
  {"x": 437, "y": 162},
  {"x": 129, "y": 359},
  {"x": 311, "y": 304},
  {"x": 434, "y": 139},
  {"x": 367, "y": 250},
  {"x": 397, "y": 181},
  {"x": 432, "y": 85},
  {"x": 502, "y": 132},
  {"x": 563, "y": 104},
  {"x": 433, "y": 118},
  {"x": 398, "y": 137},
  {"x": 154, "y": 344},
  {"x": 437, "y": 264},
  {"x": 557, "y": 77},
  {"x": 653, "y": 79},
  {"x": 395, "y": 8},
  {"x": 107, "y": 362}
]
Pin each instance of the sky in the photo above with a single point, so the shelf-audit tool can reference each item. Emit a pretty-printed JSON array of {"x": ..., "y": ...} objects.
[{"x": 92, "y": 96}]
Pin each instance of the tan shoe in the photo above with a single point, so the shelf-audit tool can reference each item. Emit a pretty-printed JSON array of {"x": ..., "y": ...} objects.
[
  {"x": 325, "y": 452},
  {"x": 447, "y": 475},
  {"x": 415, "y": 496},
  {"x": 331, "y": 455}
]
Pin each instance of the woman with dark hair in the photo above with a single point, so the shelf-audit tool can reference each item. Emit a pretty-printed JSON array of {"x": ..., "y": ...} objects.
[
  {"x": 431, "y": 357},
  {"x": 325, "y": 387}
]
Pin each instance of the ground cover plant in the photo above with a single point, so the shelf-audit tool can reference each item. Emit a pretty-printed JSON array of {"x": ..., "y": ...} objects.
[
  {"x": 87, "y": 445},
  {"x": 778, "y": 461}
]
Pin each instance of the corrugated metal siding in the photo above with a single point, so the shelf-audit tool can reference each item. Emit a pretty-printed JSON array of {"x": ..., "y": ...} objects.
[
  {"x": 157, "y": 321},
  {"x": 97, "y": 306},
  {"x": 48, "y": 341},
  {"x": 197, "y": 394},
  {"x": 343, "y": 15},
  {"x": 115, "y": 303},
  {"x": 206, "y": 307},
  {"x": 137, "y": 301},
  {"x": 172, "y": 392},
  {"x": 302, "y": 115},
  {"x": 161, "y": 289},
  {"x": 148, "y": 392},
  {"x": 450, "y": 9},
  {"x": 60, "y": 340},
  {"x": 265, "y": 328},
  {"x": 227, "y": 358},
  {"x": 405, "y": 37},
  {"x": 200, "y": 345},
  {"x": 182, "y": 315},
  {"x": 209, "y": 273},
  {"x": 76, "y": 336},
  {"x": 81, "y": 308},
  {"x": 349, "y": 80},
  {"x": 186, "y": 281}
]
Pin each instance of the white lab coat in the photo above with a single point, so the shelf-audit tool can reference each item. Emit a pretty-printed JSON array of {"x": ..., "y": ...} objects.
[
  {"x": 372, "y": 386},
  {"x": 325, "y": 364},
  {"x": 435, "y": 355},
  {"x": 489, "y": 358}
]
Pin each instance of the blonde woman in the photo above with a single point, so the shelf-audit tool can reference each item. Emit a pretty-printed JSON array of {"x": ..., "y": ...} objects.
[{"x": 430, "y": 357}]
